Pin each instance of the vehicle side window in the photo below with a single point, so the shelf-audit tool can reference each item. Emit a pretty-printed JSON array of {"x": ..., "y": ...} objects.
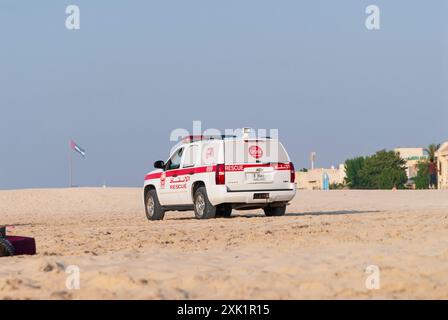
[
  {"x": 174, "y": 162},
  {"x": 190, "y": 156}
]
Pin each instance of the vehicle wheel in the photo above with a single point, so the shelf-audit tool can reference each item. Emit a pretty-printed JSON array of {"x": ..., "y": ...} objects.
[
  {"x": 224, "y": 211},
  {"x": 6, "y": 248},
  {"x": 203, "y": 209},
  {"x": 154, "y": 210},
  {"x": 275, "y": 211}
]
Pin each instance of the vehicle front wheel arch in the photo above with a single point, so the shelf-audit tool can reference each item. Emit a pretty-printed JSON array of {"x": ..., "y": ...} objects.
[
  {"x": 147, "y": 189},
  {"x": 153, "y": 208}
]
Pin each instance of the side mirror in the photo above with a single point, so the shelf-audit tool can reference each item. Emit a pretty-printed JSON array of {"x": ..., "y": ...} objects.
[{"x": 159, "y": 164}]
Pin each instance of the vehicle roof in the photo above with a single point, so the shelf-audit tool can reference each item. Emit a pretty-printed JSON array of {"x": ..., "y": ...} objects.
[
  {"x": 192, "y": 139},
  {"x": 198, "y": 139}
]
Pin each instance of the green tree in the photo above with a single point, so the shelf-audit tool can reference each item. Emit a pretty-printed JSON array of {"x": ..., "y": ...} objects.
[
  {"x": 383, "y": 170},
  {"x": 422, "y": 178},
  {"x": 353, "y": 169}
]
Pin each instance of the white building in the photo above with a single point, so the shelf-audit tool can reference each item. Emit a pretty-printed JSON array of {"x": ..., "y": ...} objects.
[
  {"x": 442, "y": 162},
  {"x": 314, "y": 178},
  {"x": 413, "y": 157}
]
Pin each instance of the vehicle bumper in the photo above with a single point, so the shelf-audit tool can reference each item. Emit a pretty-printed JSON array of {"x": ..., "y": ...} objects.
[{"x": 219, "y": 194}]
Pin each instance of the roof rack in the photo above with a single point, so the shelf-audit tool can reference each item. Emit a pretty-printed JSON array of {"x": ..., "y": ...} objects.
[{"x": 192, "y": 138}]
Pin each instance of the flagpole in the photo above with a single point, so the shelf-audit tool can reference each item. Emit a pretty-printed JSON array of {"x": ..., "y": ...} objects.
[{"x": 70, "y": 184}]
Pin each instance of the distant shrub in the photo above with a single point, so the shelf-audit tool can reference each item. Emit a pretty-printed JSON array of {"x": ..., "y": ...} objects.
[
  {"x": 422, "y": 178},
  {"x": 337, "y": 186}
]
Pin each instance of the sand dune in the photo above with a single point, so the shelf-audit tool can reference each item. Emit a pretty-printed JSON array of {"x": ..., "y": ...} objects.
[{"x": 319, "y": 250}]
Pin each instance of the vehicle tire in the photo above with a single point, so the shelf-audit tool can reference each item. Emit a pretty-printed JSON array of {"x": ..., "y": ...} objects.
[
  {"x": 154, "y": 210},
  {"x": 275, "y": 211},
  {"x": 224, "y": 211},
  {"x": 6, "y": 248},
  {"x": 203, "y": 209}
]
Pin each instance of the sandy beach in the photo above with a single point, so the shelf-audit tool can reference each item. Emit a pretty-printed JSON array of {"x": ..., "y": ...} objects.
[{"x": 320, "y": 249}]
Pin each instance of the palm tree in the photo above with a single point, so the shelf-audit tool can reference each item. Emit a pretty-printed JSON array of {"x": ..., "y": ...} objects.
[{"x": 431, "y": 150}]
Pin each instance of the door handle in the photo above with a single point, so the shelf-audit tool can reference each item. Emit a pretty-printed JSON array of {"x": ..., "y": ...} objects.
[
  {"x": 174, "y": 175},
  {"x": 191, "y": 173}
]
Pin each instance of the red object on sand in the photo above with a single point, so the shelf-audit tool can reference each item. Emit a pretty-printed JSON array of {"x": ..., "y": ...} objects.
[{"x": 22, "y": 245}]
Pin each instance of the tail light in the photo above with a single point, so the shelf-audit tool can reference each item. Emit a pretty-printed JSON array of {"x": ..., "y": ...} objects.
[
  {"x": 220, "y": 174},
  {"x": 292, "y": 172}
]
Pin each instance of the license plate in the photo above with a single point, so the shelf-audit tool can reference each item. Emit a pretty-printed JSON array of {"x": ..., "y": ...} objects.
[
  {"x": 261, "y": 196},
  {"x": 258, "y": 176}
]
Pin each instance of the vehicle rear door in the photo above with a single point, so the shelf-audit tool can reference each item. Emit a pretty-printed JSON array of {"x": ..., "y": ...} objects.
[
  {"x": 186, "y": 175},
  {"x": 253, "y": 165}
]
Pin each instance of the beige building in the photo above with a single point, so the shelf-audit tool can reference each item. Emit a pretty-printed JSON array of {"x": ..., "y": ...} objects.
[
  {"x": 314, "y": 178},
  {"x": 412, "y": 156},
  {"x": 442, "y": 162}
]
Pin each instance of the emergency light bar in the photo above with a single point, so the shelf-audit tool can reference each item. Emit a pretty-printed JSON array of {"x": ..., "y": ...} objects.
[
  {"x": 191, "y": 139},
  {"x": 246, "y": 132}
]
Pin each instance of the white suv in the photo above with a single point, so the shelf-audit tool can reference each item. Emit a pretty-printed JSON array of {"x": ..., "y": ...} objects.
[{"x": 215, "y": 174}]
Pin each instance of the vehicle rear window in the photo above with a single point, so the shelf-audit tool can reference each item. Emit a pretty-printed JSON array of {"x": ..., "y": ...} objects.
[
  {"x": 255, "y": 151},
  {"x": 190, "y": 156},
  {"x": 210, "y": 153}
]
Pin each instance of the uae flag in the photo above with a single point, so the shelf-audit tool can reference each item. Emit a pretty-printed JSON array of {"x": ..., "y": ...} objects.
[{"x": 77, "y": 148}]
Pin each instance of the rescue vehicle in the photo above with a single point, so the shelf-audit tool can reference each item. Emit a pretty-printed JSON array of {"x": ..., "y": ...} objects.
[{"x": 214, "y": 174}]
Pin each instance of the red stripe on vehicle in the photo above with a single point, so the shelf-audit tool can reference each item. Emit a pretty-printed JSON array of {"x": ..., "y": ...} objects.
[
  {"x": 228, "y": 168},
  {"x": 241, "y": 167},
  {"x": 282, "y": 166},
  {"x": 181, "y": 172},
  {"x": 153, "y": 176}
]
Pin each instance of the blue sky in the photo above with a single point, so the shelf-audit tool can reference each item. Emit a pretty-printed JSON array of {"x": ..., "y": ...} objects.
[{"x": 138, "y": 69}]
